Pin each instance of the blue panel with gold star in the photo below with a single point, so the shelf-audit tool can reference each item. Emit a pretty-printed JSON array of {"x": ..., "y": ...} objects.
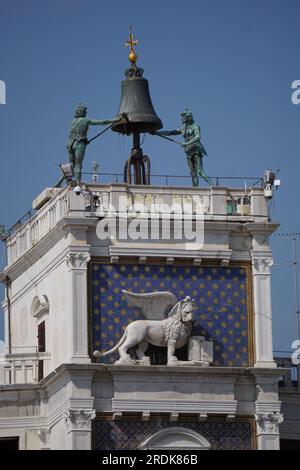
[{"x": 220, "y": 294}]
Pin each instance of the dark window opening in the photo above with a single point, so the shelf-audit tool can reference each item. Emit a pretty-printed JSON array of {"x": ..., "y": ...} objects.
[
  {"x": 41, "y": 348},
  {"x": 289, "y": 444},
  {"x": 41, "y": 337},
  {"x": 294, "y": 376},
  {"x": 159, "y": 355},
  {"x": 9, "y": 443}
]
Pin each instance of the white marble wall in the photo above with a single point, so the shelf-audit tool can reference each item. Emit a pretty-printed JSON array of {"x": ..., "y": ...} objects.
[{"x": 57, "y": 267}]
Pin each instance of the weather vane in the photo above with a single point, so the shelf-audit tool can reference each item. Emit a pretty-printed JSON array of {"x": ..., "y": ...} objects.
[{"x": 131, "y": 43}]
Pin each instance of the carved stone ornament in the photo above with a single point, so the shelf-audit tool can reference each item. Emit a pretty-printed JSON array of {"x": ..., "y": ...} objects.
[
  {"x": 40, "y": 306},
  {"x": 77, "y": 260},
  {"x": 79, "y": 419},
  {"x": 44, "y": 435},
  {"x": 268, "y": 423},
  {"x": 261, "y": 265}
]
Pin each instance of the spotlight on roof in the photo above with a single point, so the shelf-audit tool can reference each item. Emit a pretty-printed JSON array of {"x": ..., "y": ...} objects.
[
  {"x": 77, "y": 190},
  {"x": 270, "y": 182}
]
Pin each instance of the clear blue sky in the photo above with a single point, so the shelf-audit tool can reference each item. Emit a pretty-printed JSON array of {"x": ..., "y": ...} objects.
[{"x": 232, "y": 62}]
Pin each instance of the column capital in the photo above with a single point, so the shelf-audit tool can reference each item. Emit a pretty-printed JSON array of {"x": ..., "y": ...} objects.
[
  {"x": 77, "y": 260},
  {"x": 261, "y": 263},
  {"x": 78, "y": 420},
  {"x": 267, "y": 423}
]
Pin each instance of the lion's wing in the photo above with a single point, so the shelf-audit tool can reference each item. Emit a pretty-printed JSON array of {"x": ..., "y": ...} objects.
[{"x": 154, "y": 305}]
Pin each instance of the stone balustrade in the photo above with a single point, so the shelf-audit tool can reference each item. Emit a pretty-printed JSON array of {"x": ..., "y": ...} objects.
[
  {"x": 22, "y": 368},
  {"x": 218, "y": 204}
]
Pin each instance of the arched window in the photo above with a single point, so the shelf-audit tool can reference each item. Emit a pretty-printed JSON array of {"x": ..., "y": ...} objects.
[{"x": 176, "y": 438}]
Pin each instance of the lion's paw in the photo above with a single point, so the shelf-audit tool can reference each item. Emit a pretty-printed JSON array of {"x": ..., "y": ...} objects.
[
  {"x": 172, "y": 361},
  {"x": 124, "y": 360}
]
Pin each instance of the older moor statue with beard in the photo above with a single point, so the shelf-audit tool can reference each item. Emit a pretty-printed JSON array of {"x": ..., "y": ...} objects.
[{"x": 78, "y": 141}]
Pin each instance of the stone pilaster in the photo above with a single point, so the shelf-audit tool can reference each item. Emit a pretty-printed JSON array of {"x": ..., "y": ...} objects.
[
  {"x": 77, "y": 262},
  {"x": 261, "y": 263}
]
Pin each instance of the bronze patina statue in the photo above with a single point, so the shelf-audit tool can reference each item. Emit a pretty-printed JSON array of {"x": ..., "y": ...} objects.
[
  {"x": 192, "y": 146},
  {"x": 78, "y": 141}
]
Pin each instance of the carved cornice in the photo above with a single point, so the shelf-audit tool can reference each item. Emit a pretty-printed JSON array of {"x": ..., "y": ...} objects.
[
  {"x": 78, "y": 420},
  {"x": 208, "y": 407},
  {"x": 142, "y": 249},
  {"x": 268, "y": 423}
]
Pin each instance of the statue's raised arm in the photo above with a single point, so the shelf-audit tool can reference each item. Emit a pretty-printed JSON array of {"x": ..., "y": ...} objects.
[
  {"x": 102, "y": 122},
  {"x": 166, "y": 133}
]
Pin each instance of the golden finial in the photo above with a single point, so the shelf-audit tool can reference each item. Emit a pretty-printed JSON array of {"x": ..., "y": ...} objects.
[{"x": 132, "y": 54}]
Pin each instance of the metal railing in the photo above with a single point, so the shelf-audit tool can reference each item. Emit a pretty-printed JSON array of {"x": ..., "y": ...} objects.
[{"x": 169, "y": 180}]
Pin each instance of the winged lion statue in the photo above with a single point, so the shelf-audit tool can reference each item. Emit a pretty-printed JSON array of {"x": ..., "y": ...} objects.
[{"x": 167, "y": 322}]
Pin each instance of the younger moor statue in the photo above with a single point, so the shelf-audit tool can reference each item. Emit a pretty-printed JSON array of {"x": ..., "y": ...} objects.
[
  {"x": 192, "y": 145},
  {"x": 78, "y": 141}
]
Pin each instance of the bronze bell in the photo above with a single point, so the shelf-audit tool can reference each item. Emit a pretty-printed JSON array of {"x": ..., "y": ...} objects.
[
  {"x": 136, "y": 103},
  {"x": 137, "y": 116}
]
